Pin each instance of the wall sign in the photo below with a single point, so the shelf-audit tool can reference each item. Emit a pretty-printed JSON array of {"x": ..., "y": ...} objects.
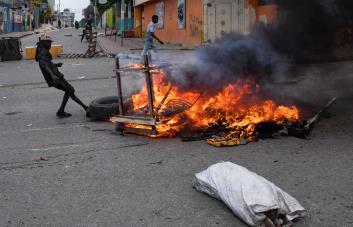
[
  {"x": 160, "y": 14},
  {"x": 18, "y": 17},
  {"x": 181, "y": 14}
]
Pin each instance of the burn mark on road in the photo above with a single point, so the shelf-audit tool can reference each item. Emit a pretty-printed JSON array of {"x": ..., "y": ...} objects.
[
  {"x": 134, "y": 145},
  {"x": 29, "y": 165},
  {"x": 156, "y": 163},
  {"x": 13, "y": 113},
  {"x": 101, "y": 130},
  {"x": 60, "y": 159},
  {"x": 72, "y": 122}
]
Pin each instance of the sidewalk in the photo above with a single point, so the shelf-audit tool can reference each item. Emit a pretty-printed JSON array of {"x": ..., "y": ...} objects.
[
  {"x": 45, "y": 28},
  {"x": 112, "y": 47},
  {"x": 16, "y": 34}
]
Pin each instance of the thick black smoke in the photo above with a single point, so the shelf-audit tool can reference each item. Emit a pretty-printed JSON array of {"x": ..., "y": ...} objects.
[
  {"x": 231, "y": 58},
  {"x": 303, "y": 30}
]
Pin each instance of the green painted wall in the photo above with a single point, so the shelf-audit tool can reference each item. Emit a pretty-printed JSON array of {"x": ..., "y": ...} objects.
[{"x": 109, "y": 15}]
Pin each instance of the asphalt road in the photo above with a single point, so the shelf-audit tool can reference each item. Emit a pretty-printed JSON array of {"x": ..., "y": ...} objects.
[{"x": 92, "y": 176}]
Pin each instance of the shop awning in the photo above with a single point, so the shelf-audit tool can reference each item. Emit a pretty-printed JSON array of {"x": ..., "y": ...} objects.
[{"x": 139, "y": 2}]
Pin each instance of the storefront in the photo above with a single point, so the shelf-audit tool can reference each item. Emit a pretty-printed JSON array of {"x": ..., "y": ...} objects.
[
  {"x": 180, "y": 21},
  {"x": 5, "y": 19},
  {"x": 17, "y": 20},
  {"x": 193, "y": 22}
]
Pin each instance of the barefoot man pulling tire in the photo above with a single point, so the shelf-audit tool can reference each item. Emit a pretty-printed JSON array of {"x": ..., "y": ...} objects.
[{"x": 53, "y": 76}]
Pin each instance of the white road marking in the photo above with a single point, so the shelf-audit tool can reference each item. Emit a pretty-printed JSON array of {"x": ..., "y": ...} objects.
[
  {"x": 55, "y": 148},
  {"x": 51, "y": 128}
]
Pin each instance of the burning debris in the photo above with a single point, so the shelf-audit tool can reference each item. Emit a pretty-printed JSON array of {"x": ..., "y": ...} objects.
[
  {"x": 224, "y": 96},
  {"x": 239, "y": 113}
]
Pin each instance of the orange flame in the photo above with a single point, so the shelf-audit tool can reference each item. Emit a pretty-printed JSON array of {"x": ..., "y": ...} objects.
[{"x": 238, "y": 106}]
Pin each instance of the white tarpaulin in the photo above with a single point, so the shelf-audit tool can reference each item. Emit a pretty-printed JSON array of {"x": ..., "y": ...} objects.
[{"x": 247, "y": 194}]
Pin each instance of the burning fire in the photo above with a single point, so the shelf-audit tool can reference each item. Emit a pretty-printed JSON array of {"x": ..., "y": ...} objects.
[{"x": 238, "y": 107}]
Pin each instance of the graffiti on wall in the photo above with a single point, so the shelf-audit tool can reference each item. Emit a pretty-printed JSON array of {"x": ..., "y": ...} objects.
[
  {"x": 3, "y": 14},
  {"x": 195, "y": 25},
  {"x": 18, "y": 19},
  {"x": 3, "y": 18},
  {"x": 160, "y": 14},
  {"x": 181, "y": 14}
]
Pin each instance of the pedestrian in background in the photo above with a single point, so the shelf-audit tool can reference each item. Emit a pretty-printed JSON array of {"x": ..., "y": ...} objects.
[
  {"x": 33, "y": 24},
  {"x": 77, "y": 25},
  {"x": 148, "y": 43},
  {"x": 54, "y": 77},
  {"x": 90, "y": 20},
  {"x": 86, "y": 32},
  {"x": 88, "y": 28}
]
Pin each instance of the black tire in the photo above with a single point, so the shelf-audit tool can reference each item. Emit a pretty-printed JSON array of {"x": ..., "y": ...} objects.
[
  {"x": 119, "y": 127},
  {"x": 102, "y": 109}
]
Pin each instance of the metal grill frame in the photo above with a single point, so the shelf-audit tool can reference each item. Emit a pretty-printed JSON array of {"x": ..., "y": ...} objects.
[{"x": 123, "y": 118}]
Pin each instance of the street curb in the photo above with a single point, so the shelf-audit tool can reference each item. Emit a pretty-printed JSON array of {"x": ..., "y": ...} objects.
[
  {"x": 17, "y": 37},
  {"x": 27, "y": 35}
]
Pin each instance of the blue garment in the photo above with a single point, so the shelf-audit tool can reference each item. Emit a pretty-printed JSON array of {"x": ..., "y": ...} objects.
[
  {"x": 148, "y": 44},
  {"x": 150, "y": 30}
]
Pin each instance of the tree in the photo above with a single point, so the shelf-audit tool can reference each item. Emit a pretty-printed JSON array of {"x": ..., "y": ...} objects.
[
  {"x": 102, "y": 7},
  {"x": 48, "y": 13},
  {"x": 88, "y": 11}
]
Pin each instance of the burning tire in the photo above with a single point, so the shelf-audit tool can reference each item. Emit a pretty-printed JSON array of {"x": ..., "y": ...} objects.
[{"x": 102, "y": 109}]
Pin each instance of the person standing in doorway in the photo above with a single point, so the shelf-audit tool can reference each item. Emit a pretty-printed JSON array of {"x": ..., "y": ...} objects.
[{"x": 148, "y": 43}]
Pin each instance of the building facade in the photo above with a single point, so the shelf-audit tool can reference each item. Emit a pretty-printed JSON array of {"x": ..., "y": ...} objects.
[
  {"x": 119, "y": 16},
  {"x": 15, "y": 15},
  {"x": 189, "y": 22},
  {"x": 179, "y": 21},
  {"x": 193, "y": 22},
  {"x": 51, "y": 3},
  {"x": 67, "y": 18},
  {"x": 5, "y": 17}
]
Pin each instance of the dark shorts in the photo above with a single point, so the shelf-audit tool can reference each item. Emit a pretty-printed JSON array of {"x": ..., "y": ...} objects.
[{"x": 65, "y": 86}]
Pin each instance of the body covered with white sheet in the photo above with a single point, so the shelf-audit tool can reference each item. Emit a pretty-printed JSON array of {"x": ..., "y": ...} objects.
[{"x": 247, "y": 194}]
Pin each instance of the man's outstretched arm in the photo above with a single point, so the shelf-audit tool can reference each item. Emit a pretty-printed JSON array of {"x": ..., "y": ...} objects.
[{"x": 160, "y": 41}]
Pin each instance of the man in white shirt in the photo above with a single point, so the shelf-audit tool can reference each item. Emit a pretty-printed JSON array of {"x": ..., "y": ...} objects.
[{"x": 148, "y": 44}]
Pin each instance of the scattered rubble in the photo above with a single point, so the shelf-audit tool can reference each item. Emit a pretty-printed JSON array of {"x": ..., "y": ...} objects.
[{"x": 43, "y": 159}]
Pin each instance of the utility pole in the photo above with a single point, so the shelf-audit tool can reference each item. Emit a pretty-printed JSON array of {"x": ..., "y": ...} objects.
[
  {"x": 95, "y": 14},
  {"x": 122, "y": 17},
  {"x": 60, "y": 15}
]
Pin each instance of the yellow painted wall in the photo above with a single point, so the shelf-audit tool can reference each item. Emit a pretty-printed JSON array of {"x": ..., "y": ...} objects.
[{"x": 55, "y": 50}]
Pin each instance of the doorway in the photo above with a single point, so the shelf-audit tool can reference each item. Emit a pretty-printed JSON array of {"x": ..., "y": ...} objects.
[{"x": 225, "y": 16}]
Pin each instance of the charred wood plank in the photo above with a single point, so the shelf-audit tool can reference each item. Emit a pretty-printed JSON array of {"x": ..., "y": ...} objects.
[{"x": 310, "y": 123}]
